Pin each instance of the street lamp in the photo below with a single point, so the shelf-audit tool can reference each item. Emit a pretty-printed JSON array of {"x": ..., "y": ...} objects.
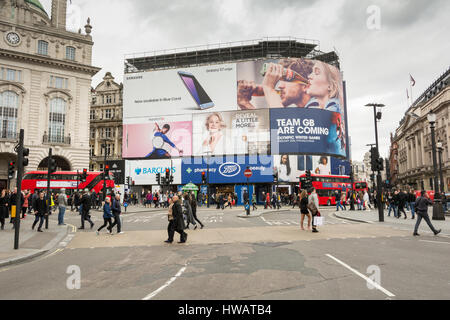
[
  {"x": 207, "y": 180},
  {"x": 377, "y": 116},
  {"x": 440, "y": 149},
  {"x": 438, "y": 212}
]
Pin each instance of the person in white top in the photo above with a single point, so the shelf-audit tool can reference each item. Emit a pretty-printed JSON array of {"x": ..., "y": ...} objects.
[
  {"x": 323, "y": 168},
  {"x": 314, "y": 198},
  {"x": 284, "y": 169},
  {"x": 366, "y": 200},
  {"x": 213, "y": 142}
]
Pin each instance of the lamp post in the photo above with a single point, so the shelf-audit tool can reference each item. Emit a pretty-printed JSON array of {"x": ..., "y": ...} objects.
[
  {"x": 377, "y": 116},
  {"x": 440, "y": 148},
  {"x": 208, "y": 200},
  {"x": 104, "y": 170},
  {"x": 438, "y": 212}
]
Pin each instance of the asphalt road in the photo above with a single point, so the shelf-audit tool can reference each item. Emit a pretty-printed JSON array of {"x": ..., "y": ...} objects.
[{"x": 403, "y": 267}]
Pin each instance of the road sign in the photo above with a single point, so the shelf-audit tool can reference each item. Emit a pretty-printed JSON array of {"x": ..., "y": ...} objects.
[{"x": 248, "y": 173}]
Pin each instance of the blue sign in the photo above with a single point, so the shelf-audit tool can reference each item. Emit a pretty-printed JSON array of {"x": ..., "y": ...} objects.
[
  {"x": 229, "y": 169},
  {"x": 340, "y": 167},
  {"x": 307, "y": 131}
]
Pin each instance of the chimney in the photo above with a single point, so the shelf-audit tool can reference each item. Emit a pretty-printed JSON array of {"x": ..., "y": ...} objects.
[{"x": 59, "y": 12}]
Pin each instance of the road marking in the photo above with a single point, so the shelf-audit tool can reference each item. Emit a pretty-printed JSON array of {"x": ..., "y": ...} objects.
[
  {"x": 374, "y": 284},
  {"x": 435, "y": 241},
  {"x": 168, "y": 283}
]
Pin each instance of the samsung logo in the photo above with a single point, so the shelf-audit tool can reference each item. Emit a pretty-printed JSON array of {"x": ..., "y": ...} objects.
[{"x": 229, "y": 169}]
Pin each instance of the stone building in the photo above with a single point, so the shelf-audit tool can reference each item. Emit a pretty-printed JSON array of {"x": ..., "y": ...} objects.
[
  {"x": 411, "y": 147},
  {"x": 45, "y": 83},
  {"x": 106, "y": 123}
]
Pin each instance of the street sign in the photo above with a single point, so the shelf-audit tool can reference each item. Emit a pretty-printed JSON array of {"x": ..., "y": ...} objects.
[{"x": 248, "y": 173}]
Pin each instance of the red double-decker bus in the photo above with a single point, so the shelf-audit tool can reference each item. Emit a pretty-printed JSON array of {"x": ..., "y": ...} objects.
[
  {"x": 327, "y": 185},
  {"x": 37, "y": 180}
]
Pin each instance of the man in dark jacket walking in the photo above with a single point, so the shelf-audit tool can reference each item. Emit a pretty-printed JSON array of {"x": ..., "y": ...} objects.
[
  {"x": 412, "y": 200},
  {"x": 85, "y": 207},
  {"x": 178, "y": 221},
  {"x": 402, "y": 199},
  {"x": 116, "y": 211},
  {"x": 421, "y": 206},
  {"x": 41, "y": 210}
]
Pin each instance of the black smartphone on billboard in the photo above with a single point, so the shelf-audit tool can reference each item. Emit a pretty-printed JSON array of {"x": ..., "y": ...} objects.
[{"x": 196, "y": 90}]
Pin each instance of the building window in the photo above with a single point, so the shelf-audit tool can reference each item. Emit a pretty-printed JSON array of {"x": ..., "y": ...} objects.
[
  {"x": 57, "y": 120},
  {"x": 10, "y": 75},
  {"x": 92, "y": 133},
  {"x": 91, "y": 151},
  {"x": 92, "y": 115},
  {"x": 107, "y": 133},
  {"x": 58, "y": 82},
  {"x": 94, "y": 100},
  {"x": 91, "y": 167},
  {"x": 101, "y": 166},
  {"x": 108, "y": 99},
  {"x": 43, "y": 47},
  {"x": 108, "y": 114},
  {"x": 70, "y": 53},
  {"x": 9, "y": 106}
]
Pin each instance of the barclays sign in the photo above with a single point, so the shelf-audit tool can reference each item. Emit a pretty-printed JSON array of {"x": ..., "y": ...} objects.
[{"x": 229, "y": 169}]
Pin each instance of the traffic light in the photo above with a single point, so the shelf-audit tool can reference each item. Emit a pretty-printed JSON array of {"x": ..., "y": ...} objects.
[
  {"x": 51, "y": 166},
  {"x": 275, "y": 177},
  {"x": 171, "y": 179},
  {"x": 25, "y": 154},
  {"x": 107, "y": 171},
  {"x": 158, "y": 178},
  {"x": 11, "y": 170},
  {"x": 380, "y": 164},
  {"x": 373, "y": 158},
  {"x": 308, "y": 175},
  {"x": 84, "y": 175},
  {"x": 167, "y": 174},
  {"x": 203, "y": 177},
  {"x": 128, "y": 181}
]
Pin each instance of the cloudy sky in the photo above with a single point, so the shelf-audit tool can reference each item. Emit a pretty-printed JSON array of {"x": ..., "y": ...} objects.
[{"x": 377, "y": 56}]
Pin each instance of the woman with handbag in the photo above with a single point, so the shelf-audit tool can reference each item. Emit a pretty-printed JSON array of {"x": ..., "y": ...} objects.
[{"x": 313, "y": 206}]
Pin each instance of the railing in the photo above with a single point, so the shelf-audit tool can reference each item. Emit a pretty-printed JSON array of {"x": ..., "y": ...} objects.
[{"x": 46, "y": 139}]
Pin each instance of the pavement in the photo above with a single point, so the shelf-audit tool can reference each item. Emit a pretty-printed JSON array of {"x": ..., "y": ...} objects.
[
  {"x": 371, "y": 217},
  {"x": 31, "y": 243}
]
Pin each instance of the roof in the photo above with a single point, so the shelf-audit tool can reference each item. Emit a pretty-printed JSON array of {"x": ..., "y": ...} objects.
[{"x": 37, "y": 4}]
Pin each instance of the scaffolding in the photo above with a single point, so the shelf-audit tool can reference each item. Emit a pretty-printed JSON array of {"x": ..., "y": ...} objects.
[{"x": 266, "y": 48}]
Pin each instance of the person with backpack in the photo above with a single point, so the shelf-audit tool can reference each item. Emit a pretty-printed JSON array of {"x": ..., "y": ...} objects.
[
  {"x": 313, "y": 206},
  {"x": 421, "y": 207},
  {"x": 85, "y": 206},
  {"x": 116, "y": 211},
  {"x": 107, "y": 216}
]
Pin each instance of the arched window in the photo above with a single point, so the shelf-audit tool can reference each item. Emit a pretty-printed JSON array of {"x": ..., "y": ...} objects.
[
  {"x": 9, "y": 106},
  {"x": 57, "y": 120}
]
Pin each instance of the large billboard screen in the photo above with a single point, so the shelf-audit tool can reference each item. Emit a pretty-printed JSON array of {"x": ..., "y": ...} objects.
[
  {"x": 180, "y": 91},
  {"x": 288, "y": 106},
  {"x": 230, "y": 133}
]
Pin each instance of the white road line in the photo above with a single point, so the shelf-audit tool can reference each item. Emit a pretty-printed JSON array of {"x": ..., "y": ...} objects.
[
  {"x": 374, "y": 284},
  {"x": 168, "y": 283},
  {"x": 435, "y": 241}
]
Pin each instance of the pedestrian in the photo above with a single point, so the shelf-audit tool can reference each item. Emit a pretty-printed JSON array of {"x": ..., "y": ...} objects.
[
  {"x": 178, "y": 222},
  {"x": 187, "y": 211},
  {"x": 41, "y": 211},
  {"x": 62, "y": 203},
  {"x": 107, "y": 216},
  {"x": 343, "y": 201},
  {"x": 402, "y": 200},
  {"x": 3, "y": 209},
  {"x": 412, "y": 202},
  {"x": 304, "y": 209},
  {"x": 254, "y": 202},
  {"x": 313, "y": 206},
  {"x": 85, "y": 207},
  {"x": 294, "y": 200},
  {"x": 13, "y": 201},
  {"x": 421, "y": 207},
  {"x": 194, "y": 213},
  {"x": 26, "y": 195},
  {"x": 116, "y": 211},
  {"x": 366, "y": 201},
  {"x": 171, "y": 227},
  {"x": 337, "y": 198}
]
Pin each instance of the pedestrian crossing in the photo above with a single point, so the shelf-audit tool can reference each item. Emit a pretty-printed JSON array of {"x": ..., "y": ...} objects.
[{"x": 286, "y": 222}]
